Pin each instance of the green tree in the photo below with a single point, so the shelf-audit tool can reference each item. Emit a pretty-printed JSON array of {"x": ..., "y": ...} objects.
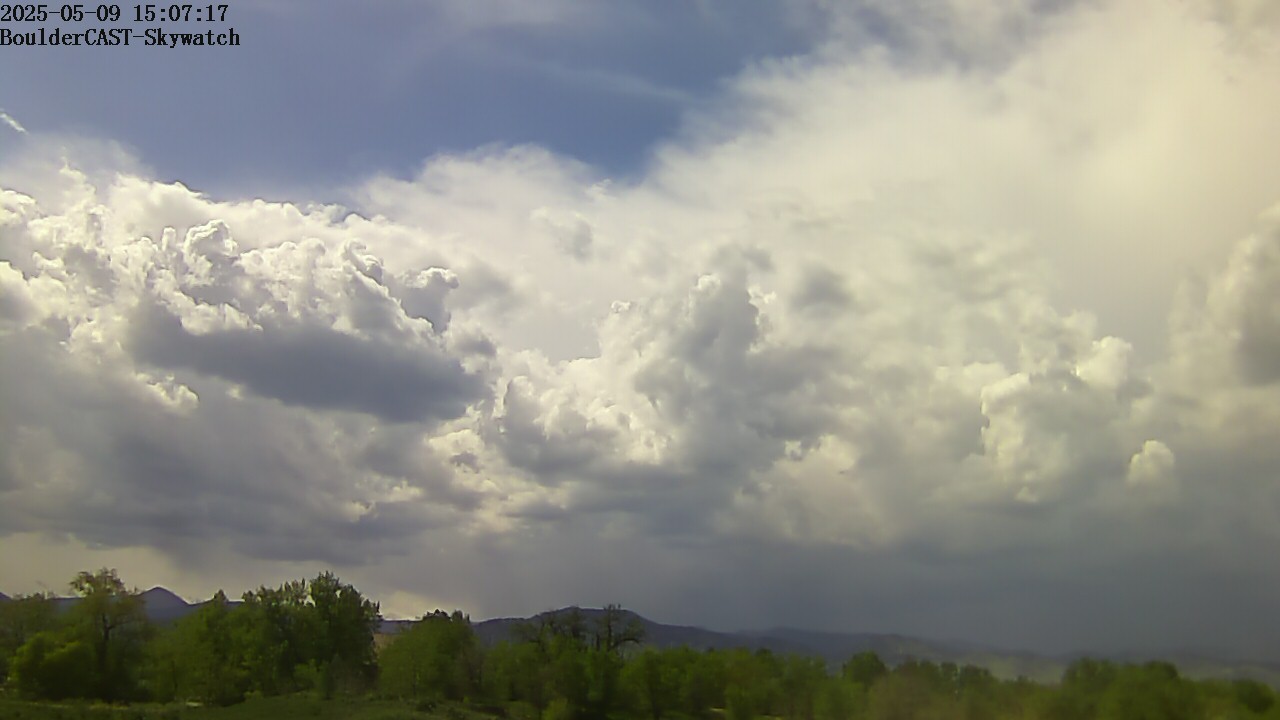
[
  {"x": 913, "y": 689},
  {"x": 21, "y": 618},
  {"x": 1255, "y": 696},
  {"x": 518, "y": 671},
  {"x": 1084, "y": 683},
  {"x": 802, "y": 679},
  {"x": 840, "y": 699},
  {"x": 345, "y": 624},
  {"x": 978, "y": 693},
  {"x": 437, "y": 657},
  {"x": 703, "y": 682},
  {"x": 568, "y": 680},
  {"x": 199, "y": 658},
  {"x": 111, "y": 621},
  {"x": 1153, "y": 691},
  {"x": 54, "y": 667},
  {"x": 752, "y": 684},
  {"x": 653, "y": 678},
  {"x": 616, "y": 629},
  {"x": 572, "y": 659},
  {"x": 307, "y": 633},
  {"x": 865, "y": 669},
  {"x": 275, "y": 627}
]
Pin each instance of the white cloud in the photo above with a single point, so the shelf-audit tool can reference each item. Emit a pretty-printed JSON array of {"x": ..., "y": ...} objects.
[
  {"x": 894, "y": 316},
  {"x": 1151, "y": 466},
  {"x": 7, "y": 119}
]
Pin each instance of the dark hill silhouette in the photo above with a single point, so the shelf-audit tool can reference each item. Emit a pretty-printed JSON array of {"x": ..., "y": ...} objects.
[
  {"x": 835, "y": 648},
  {"x": 164, "y": 607},
  {"x": 655, "y": 633}
]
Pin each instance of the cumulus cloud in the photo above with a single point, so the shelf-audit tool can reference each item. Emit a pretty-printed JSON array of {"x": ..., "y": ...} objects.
[
  {"x": 142, "y": 378},
  {"x": 869, "y": 331},
  {"x": 1152, "y": 465}
]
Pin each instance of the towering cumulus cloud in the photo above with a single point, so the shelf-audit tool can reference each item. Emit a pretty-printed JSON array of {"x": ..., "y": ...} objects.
[{"x": 977, "y": 327}]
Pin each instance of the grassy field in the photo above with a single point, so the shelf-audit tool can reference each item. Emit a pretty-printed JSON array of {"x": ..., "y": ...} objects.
[{"x": 294, "y": 706}]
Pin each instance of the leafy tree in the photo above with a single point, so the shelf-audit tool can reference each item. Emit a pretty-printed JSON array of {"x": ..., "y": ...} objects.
[
  {"x": 603, "y": 673},
  {"x": 21, "y": 618},
  {"x": 1084, "y": 683},
  {"x": 1253, "y": 695},
  {"x": 435, "y": 658},
  {"x": 54, "y": 667},
  {"x": 1153, "y": 691},
  {"x": 345, "y": 624},
  {"x": 111, "y": 621},
  {"x": 568, "y": 658},
  {"x": 302, "y": 634},
  {"x": 703, "y": 683},
  {"x": 912, "y": 689},
  {"x": 274, "y": 627},
  {"x": 977, "y": 692},
  {"x": 653, "y": 677},
  {"x": 200, "y": 658},
  {"x": 617, "y": 629},
  {"x": 568, "y": 673},
  {"x": 518, "y": 671},
  {"x": 840, "y": 699},
  {"x": 752, "y": 684},
  {"x": 865, "y": 668},
  {"x": 560, "y": 709},
  {"x": 802, "y": 678}
]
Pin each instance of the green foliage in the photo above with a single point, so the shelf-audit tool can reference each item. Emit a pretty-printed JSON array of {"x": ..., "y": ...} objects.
[
  {"x": 21, "y": 618},
  {"x": 753, "y": 684},
  {"x": 653, "y": 679},
  {"x": 53, "y": 666},
  {"x": 560, "y": 709},
  {"x": 839, "y": 699},
  {"x": 305, "y": 648},
  {"x": 345, "y": 623},
  {"x": 274, "y": 627},
  {"x": 702, "y": 683},
  {"x": 112, "y": 621},
  {"x": 95, "y": 651},
  {"x": 562, "y": 656},
  {"x": 1084, "y": 684},
  {"x": 616, "y": 630},
  {"x": 1153, "y": 691},
  {"x": 904, "y": 694},
  {"x": 1254, "y": 696},
  {"x": 201, "y": 658},
  {"x": 435, "y": 658},
  {"x": 802, "y": 679},
  {"x": 517, "y": 672},
  {"x": 865, "y": 668},
  {"x": 324, "y": 626}
]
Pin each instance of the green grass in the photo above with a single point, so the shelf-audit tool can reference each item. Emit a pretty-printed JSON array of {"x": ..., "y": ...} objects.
[{"x": 302, "y": 707}]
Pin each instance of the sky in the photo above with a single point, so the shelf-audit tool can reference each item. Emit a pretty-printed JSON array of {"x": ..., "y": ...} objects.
[{"x": 953, "y": 318}]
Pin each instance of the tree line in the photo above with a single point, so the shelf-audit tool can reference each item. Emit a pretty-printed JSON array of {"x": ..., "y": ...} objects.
[{"x": 321, "y": 636}]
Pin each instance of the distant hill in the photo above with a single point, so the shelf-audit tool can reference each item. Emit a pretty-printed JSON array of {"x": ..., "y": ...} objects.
[
  {"x": 164, "y": 607},
  {"x": 656, "y": 634},
  {"x": 835, "y": 648}
]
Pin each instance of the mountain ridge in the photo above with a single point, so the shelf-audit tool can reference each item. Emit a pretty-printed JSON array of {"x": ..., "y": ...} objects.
[{"x": 164, "y": 606}]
